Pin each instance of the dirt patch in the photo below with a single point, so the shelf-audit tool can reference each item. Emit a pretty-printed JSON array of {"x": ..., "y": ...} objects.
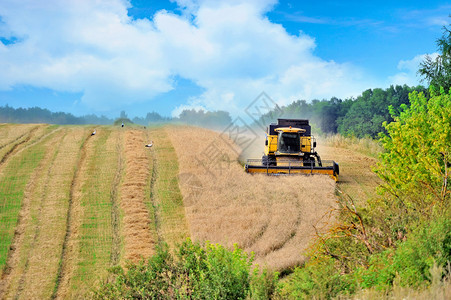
[{"x": 136, "y": 228}]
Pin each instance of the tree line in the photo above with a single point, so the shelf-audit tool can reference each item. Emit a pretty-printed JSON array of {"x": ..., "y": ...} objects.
[
  {"x": 359, "y": 117},
  {"x": 40, "y": 115},
  {"x": 211, "y": 119}
]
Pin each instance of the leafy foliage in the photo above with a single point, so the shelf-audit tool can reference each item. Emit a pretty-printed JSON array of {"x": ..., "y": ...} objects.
[
  {"x": 428, "y": 244},
  {"x": 410, "y": 264},
  {"x": 360, "y": 117},
  {"x": 320, "y": 278},
  {"x": 210, "y": 272},
  {"x": 437, "y": 71},
  {"x": 368, "y": 112},
  {"x": 416, "y": 163},
  {"x": 402, "y": 235},
  {"x": 323, "y": 114},
  {"x": 151, "y": 118}
]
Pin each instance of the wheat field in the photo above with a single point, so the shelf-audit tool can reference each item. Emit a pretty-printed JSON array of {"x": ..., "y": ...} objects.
[
  {"x": 273, "y": 216},
  {"x": 72, "y": 205}
]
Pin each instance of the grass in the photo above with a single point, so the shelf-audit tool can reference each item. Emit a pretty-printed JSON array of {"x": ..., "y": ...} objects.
[
  {"x": 23, "y": 243},
  {"x": 11, "y": 135},
  {"x": 150, "y": 191},
  {"x": 87, "y": 205},
  {"x": 77, "y": 209},
  {"x": 95, "y": 235},
  {"x": 167, "y": 199},
  {"x": 367, "y": 146},
  {"x": 356, "y": 177},
  {"x": 51, "y": 216},
  {"x": 440, "y": 288},
  {"x": 14, "y": 179}
]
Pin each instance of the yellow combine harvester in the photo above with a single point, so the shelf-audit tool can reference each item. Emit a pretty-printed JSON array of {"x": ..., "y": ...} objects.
[{"x": 290, "y": 149}]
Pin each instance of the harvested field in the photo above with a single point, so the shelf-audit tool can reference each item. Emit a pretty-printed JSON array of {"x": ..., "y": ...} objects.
[
  {"x": 72, "y": 205},
  {"x": 274, "y": 216},
  {"x": 166, "y": 200},
  {"x": 44, "y": 261},
  {"x": 136, "y": 220},
  {"x": 18, "y": 180},
  {"x": 38, "y": 239},
  {"x": 356, "y": 178},
  {"x": 12, "y": 135}
]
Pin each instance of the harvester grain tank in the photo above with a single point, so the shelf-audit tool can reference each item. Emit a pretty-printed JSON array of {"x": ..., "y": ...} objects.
[{"x": 290, "y": 149}]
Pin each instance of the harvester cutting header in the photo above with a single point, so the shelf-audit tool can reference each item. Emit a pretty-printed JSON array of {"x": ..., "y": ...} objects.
[{"x": 290, "y": 149}]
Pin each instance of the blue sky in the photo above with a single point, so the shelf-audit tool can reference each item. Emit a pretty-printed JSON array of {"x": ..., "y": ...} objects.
[{"x": 105, "y": 56}]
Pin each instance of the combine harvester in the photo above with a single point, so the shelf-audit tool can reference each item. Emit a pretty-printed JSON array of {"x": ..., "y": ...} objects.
[{"x": 290, "y": 149}]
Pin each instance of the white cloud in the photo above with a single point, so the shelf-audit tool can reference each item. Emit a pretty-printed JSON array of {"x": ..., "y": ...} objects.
[
  {"x": 408, "y": 71},
  {"x": 440, "y": 21},
  {"x": 230, "y": 49}
]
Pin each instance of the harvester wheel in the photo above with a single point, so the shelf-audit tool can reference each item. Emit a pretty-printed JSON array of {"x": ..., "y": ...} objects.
[{"x": 309, "y": 161}]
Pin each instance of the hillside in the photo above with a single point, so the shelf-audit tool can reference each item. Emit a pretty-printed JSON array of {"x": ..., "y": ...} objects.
[{"x": 74, "y": 204}]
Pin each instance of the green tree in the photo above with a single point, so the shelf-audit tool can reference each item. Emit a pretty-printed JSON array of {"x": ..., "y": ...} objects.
[
  {"x": 405, "y": 232},
  {"x": 40, "y": 115},
  {"x": 367, "y": 113},
  {"x": 437, "y": 71},
  {"x": 324, "y": 114},
  {"x": 416, "y": 163},
  {"x": 210, "y": 119},
  {"x": 123, "y": 115}
]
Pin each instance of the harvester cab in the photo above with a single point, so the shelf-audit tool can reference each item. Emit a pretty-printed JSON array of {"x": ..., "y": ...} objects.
[{"x": 290, "y": 149}]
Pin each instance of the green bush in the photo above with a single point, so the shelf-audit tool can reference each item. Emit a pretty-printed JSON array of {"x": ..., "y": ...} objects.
[
  {"x": 321, "y": 278},
  {"x": 412, "y": 260},
  {"x": 410, "y": 265},
  {"x": 264, "y": 284},
  {"x": 414, "y": 165},
  {"x": 195, "y": 272}
]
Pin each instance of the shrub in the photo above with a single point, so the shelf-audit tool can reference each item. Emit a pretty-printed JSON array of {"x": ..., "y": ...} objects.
[
  {"x": 428, "y": 245},
  {"x": 411, "y": 264},
  {"x": 264, "y": 284},
  {"x": 195, "y": 271},
  {"x": 320, "y": 278},
  {"x": 415, "y": 165}
]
